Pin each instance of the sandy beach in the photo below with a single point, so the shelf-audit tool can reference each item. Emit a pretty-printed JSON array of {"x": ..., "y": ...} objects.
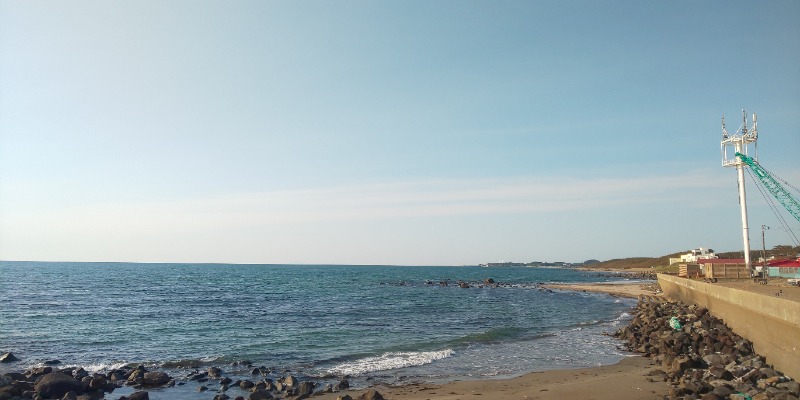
[
  {"x": 632, "y": 290},
  {"x": 626, "y": 380}
]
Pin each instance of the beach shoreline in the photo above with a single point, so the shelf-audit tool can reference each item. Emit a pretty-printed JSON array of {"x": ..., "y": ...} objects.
[
  {"x": 650, "y": 370},
  {"x": 625, "y": 380},
  {"x": 628, "y": 376},
  {"x": 628, "y": 379},
  {"x": 628, "y": 290}
]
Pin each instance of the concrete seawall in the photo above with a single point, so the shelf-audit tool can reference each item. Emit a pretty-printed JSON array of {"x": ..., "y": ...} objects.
[{"x": 771, "y": 323}]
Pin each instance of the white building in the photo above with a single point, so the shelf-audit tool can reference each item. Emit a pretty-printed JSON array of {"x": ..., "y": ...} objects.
[{"x": 694, "y": 255}]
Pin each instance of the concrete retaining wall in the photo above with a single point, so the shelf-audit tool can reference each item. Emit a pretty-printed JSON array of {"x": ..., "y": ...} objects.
[{"x": 771, "y": 323}]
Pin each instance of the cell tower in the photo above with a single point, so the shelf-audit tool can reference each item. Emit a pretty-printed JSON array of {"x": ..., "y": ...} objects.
[{"x": 739, "y": 143}]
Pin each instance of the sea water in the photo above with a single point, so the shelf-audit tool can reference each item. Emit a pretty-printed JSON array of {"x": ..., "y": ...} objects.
[{"x": 389, "y": 324}]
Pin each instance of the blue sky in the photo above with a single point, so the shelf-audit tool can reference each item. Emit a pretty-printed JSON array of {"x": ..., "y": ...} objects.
[{"x": 398, "y": 132}]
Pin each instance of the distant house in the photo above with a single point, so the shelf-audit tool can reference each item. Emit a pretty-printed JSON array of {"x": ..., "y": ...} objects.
[
  {"x": 694, "y": 256},
  {"x": 784, "y": 268}
]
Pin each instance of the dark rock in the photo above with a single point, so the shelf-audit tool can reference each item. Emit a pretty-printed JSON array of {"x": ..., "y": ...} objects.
[
  {"x": 305, "y": 388},
  {"x": 214, "y": 372},
  {"x": 261, "y": 394},
  {"x": 70, "y": 396},
  {"x": 15, "y": 376},
  {"x": 141, "y": 395},
  {"x": 793, "y": 387},
  {"x": 345, "y": 397},
  {"x": 39, "y": 371},
  {"x": 79, "y": 373},
  {"x": 56, "y": 384},
  {"x": 221, "y": 397},
  {"x": 723, "y": 391},
  {"x": 156, "y": 378},
  {"x": 202, "y": 388},
  {"x": 713, "y": 359},
  {"x": 343, "y": 384},
  {"x": 98, "y": 382},
  {"x": 720, "y": 373},
  {"x": 371, "y": 394},
  {"x": 198, "y": 376},
  {"x": 245, "y": 384},
  {"x": 7, "y": 358},
  {"x": 226, "y": 381}
]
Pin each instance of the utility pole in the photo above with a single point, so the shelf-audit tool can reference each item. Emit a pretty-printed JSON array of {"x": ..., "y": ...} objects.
[{"x": 763, "y": 251}]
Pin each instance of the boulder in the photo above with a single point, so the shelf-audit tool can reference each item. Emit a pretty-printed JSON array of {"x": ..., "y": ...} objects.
[
  {"x": 305, "y": 388},
  {"x": 39, "y": 371},
  {"x": 791, "y": 386},
  {"x": 261, "y": 394},
  {"x": 214, "y": 372},
  {"x": 343, "y": 384},
  {"x": 56, "y": 385},
  {"x": 7, "y": 358},
  {"x": 79, "y": 373},
  {"x": 371, "y": 394},
  {"x": 98, "y": 382},
  {"x": 15, "y": 376},
  {"x": 156, "y": 378},
  {"x": 141, "y": 395}
]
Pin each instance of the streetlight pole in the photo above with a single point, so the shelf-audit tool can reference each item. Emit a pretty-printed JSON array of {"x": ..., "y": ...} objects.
[{"x": 763, "y": 251}]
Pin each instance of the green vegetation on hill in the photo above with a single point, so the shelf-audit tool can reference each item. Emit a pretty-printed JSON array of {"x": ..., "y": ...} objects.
[
  {"x": 637, "y": 262},
  {"x": 661, "y": 264}
]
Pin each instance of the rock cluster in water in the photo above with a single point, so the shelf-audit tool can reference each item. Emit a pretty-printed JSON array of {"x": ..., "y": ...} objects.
[
  {"x": 77, "y": 384},
  {"x": 287, "y": 386},
  {"x": 700, "y": 357}
]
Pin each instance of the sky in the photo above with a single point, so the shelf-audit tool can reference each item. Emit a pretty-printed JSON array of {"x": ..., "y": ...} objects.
[{"x": 388, "y": 132}]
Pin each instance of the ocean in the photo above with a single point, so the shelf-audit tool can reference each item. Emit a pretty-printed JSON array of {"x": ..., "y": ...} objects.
[{"x": 389, "y": 324}]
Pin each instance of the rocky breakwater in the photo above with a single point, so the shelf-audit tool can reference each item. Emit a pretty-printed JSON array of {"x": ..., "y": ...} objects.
[{"x": 700, "y": 357}]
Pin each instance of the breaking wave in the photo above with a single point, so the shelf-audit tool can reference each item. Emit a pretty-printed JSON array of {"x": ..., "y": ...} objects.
[{"x": 387, "y": 361}]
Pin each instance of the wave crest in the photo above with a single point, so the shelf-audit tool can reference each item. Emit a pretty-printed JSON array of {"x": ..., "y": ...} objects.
[{"x": 387, "y": 361}]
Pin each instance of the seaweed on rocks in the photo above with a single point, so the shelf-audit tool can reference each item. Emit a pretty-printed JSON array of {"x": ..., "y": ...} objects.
[{"x": 700, "y": 356}]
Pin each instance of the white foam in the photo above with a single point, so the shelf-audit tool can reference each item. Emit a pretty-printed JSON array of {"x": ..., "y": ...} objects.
[
  {"x": 388, "y": 361},
  {"x": 99, "y": 367},
  {"x": 622, "y": 317}
]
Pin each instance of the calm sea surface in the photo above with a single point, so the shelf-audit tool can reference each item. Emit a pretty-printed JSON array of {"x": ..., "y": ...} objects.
[{"x": 373, "y": 323}]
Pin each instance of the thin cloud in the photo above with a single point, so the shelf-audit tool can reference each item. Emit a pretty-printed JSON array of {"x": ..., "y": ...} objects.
[{"x": 420, "y": 199}]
